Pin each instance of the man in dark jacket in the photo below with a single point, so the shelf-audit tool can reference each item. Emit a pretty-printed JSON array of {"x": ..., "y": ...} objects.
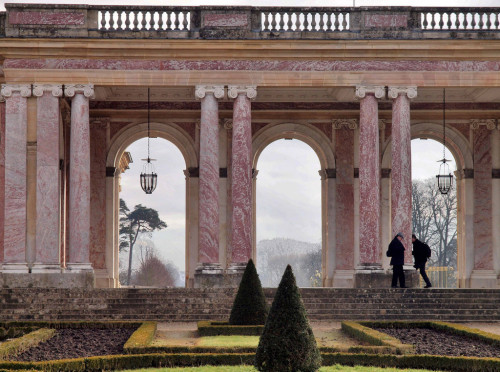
[
  {"x": 421, "y": 252},
  {"x": 397, "y": 253}
]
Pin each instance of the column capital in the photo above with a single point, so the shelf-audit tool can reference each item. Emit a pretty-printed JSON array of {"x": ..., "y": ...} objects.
[
  {"x": 489, "y": 123},
  {"x": 23, "y": 89},
  {"x": 363, "y": 90},
  {"x": 234, "y": 90},
  {"x": 410, "y": 91},
  {"x": 227, "y": 123},
  {"x": 55, "y": 89},
  {"x": 348, "y": 123},
  {"x": 202, "y": 90},
  {"x": 86, "y": 89}
]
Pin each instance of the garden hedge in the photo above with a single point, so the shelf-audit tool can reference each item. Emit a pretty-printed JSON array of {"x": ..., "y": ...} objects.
[
  {"x": 82, "y": 324},
  {"x": 207, "y": 328},
  {"x": 13, "y": 347},
  {"x": 141, "y": 338}
]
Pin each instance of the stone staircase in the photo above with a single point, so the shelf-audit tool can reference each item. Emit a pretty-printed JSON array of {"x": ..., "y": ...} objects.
[{"x": 187, "y": 304}]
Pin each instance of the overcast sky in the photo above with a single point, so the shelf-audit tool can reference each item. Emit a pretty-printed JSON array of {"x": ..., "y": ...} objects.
[{"x": 288, "y": 186}]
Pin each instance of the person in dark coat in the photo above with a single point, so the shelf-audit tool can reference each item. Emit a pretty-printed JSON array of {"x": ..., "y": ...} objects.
[
  {"x": 397, "y": 253},
  {"x": 421, "y": 252}
]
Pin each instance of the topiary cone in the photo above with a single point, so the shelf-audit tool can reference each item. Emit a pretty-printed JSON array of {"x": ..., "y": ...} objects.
[
  {"x": 287, "y": 343},
  {"x": 250, "y": 306}
]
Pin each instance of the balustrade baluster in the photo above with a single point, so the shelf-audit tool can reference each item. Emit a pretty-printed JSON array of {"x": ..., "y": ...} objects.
[
  {"x": 273, "y": 21},
  {"x": 329, "y": 21},
  {"x": 441, "y": 20},
  {"x": 497, "y": 22},
  {"x": 449, "y": 24},
  {"x": 177, "y": 21},
  {"x": 169, "y": 21},
  {"x": 488, "y": 21},
  {"x": 466, "y": 21},
  {"x": 136, "y": 21},
  {"x": 306, "y": 21},
  {"x": 481, "y": 20},
  {"x": 321, "y": 21},
  {"x": 103, "y": 20},
  {"x": 265, "y": 19},
  {"x": 289, "y": 24},
  {"x": 345, "y": 16},
  {"x": 457, "y": 21},
  {"x": 473, "y": 22},
  {"x": 185, "y": 23},
  {"x": 425, "y": 23},
  {"x": 160, "y": 21},
  {"x": 119, "y": 21},
  {"x": 313, "y": 21},
  {"x": 433, "y": 21},
  {"x": 297, "y": 22},
  {"x": 336, "y": 25},
  {"x": 282, "y": 22},
  {"x": 143, "y": 20},
  {"x": 127, "y": 21}
]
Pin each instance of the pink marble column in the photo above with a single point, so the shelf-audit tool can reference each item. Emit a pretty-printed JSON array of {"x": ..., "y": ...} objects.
[
  {"x": 241, "y": 171},
  {"x": 401, "y": 185},
  {"x": 369, "y": 178},
  {"x": 208, "y": 246},
  {"x": 79, "y": 178},
  {"x": 16, "y": 121},
  {"x": 483, "y": 247},
  {"x": 47, "y": 190},
  {"x": 2, "y": 174}
]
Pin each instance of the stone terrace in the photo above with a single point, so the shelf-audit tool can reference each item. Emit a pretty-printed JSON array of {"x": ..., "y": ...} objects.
[{"x": 323, "y": 304}]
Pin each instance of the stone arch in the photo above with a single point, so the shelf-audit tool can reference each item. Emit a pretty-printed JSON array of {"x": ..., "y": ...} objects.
[
  {"x": 322, "y": 146},
  {"x": 119, "y": 143}
]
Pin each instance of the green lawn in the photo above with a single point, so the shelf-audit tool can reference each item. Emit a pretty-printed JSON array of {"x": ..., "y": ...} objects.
[
  {"x": 335, "y": 368},
  {"x": 229, "y": 341}
]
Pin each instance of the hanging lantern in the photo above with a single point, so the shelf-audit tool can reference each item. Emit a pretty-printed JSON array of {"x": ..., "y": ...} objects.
[
  {"x": 149, "y": 178},
  {"x": 444, "y": 177}
]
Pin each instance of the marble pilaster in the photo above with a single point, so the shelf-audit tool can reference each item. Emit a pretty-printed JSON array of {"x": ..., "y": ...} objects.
[
  {"x": 79, "y": 178},
  {"x": 401, "y": 185},
  {"x": 47, "y": 190},
  {"x": 369, "y": 178},
  {"x": 15, "y": 178},
  {"x": 208, "y": 253},
  {"x": 2, "y": 175},
  {"x": 241, "y": 175}
]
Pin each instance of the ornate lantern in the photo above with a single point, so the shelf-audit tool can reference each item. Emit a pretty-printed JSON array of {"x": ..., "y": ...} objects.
[
  {"x": 444, "y": 178},
  {"x": 149, "y": 177}
]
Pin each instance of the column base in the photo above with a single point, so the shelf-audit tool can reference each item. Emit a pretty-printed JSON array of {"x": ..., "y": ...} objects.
[
  {"x": 343, "y": 279},
  {"x": 47, "y": 280},
  {"x": 41, "y": 268},
  {"x": 79, "y": 267},
  {"x": 371, "y": 275},
  {"x": 483, "y": 279},
  {"x": 15, "y": 268},
  {"x": 103, "y": 279}
]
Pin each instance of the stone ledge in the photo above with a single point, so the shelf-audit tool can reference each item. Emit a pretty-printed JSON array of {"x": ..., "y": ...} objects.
[{"x": 83, "y": 280}]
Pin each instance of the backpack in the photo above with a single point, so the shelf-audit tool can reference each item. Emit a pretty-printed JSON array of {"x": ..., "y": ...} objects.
[{"x": 427, "y": 250}]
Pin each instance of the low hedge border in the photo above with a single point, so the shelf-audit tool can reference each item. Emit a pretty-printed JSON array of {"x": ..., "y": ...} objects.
[
  {"x": 119, "y": 362},
  {"x": 141, "y": 338},
  {"x": 14, "y": 332},
  {"x": 13, "y": 347},
  {"x": 61, "y": 325},
  {"x": 359, "y": 331},
  {"x": 208, "y": 328},
  {"x": 453, "y": 328}
]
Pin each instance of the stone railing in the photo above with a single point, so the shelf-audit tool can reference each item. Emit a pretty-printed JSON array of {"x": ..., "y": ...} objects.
[{"x": 33, "y": 20}]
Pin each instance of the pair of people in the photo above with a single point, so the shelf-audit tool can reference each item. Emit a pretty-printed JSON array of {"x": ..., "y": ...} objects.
[{"x": 396, "y": 251}]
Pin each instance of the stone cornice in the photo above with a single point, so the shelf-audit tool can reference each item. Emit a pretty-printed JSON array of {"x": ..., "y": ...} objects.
[
  {"x": 377, "y": 90},
  {"x": 489, "y": 123},
  {"x": 55, "y": 89},
  {"x": 347, "y": 123},
  {"x": 86, "y": 89},
  {"x": 234, "y": 90},
  {"x": 410, "y": 91},
  {"x": 202, "y": 90},
  {"x": 9, "y": 89}
]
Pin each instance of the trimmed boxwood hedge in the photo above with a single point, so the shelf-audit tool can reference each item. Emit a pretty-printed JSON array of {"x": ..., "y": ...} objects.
[
  {"x": 10, "y": 348},
  {"x": 141, "y": 338},
  {"x": 61, "y": 325},
  {"x": 207, "y": 328}
]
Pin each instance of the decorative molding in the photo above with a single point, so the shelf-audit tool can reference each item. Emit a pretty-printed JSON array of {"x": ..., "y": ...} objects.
[
  {"x": 348, "y": 123},
  {"x": 55, "y": 89},
  {"x": 202, "y": 90},
  {"x": 86, "y": 89},
  {"x": 234, "y": 90},
  {"x": 227, "y": 123},
  {"x": 110, "y": 171},
  {"x": 495, "y": 173},
  {"x": 363, "y": 90},
  {"x": 394, "y": 92},
  {"x": 223, "y": 172},
  {"x": 99, "y": 122},
  {"x": 489, "y": 123},
  {"x": 328, "y": 173},
  {"x": 192, "y": 172},
  {"x": 385, "y": 172},
  {"x": 9, "y": 89}
]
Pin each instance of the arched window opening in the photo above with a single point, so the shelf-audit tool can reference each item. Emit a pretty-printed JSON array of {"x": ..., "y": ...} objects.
[
  {"x": 289, "y": 213},
  {"x": 158, "y": 252},
  {"x": 434, "y": 216}
]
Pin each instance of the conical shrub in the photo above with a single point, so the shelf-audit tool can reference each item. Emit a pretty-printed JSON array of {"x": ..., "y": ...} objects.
[
  {"x": 287, "y": 343},
  {"x": 249, "y": 307}
]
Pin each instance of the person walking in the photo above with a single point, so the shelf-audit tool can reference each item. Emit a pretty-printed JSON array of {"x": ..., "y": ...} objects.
[
  {"x": 421, "y": 252},
  {"x": 397, "y": 253}
]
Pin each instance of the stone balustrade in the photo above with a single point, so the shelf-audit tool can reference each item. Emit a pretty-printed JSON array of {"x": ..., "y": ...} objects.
[{"x": 41, "y": 20}]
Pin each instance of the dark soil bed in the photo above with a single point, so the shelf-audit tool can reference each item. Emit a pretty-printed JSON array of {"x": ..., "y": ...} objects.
[
  {"x": 77, "y": 343},
  {"x": 429, "y": 341}
]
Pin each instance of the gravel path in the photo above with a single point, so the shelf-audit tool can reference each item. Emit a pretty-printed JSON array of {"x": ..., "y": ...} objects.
[{"x": 429, "y": 341}]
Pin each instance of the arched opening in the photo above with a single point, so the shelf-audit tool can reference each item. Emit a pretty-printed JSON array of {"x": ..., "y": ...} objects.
[
  {"x": 434, "y": 216},
  {"x": 158, "y": 257},
  {"x": 289, "y": 213}
]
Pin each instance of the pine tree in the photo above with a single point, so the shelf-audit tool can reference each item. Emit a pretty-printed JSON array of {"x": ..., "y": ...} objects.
[
  {"x": 287, "y": 343},
  {"x": 249, "y": 307}
]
